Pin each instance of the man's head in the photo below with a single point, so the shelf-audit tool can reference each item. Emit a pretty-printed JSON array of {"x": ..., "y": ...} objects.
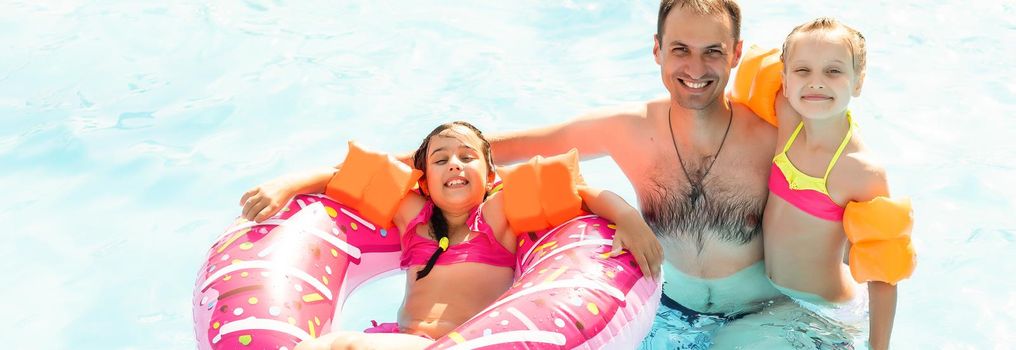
[
  {"x": 696, "y": 45},
  {"x": 726, "y": 7}
]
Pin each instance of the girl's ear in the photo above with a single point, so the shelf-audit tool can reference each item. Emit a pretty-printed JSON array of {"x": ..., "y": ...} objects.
[
  {"x": 857, "y": 85},
  {"x": 423, "y": 187}
]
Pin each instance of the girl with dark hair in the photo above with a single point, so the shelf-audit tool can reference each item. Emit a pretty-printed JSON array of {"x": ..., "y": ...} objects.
[{"x": 457, "y": 246}]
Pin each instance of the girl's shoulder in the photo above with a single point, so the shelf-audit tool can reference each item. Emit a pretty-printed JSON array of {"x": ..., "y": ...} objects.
[
  {"x": 409, "y": 208},
  {"x": 862, "y": 175},
  {"x": 493, "y": 214}
]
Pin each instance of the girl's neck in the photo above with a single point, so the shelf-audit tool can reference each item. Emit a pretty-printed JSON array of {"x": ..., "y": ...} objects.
[
  {"x": 825, "y": 134},
  {"x": 456, "y": 220}
]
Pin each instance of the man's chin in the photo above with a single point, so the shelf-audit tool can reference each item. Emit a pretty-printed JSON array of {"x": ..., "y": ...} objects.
[{"x": 697, "y": 103}]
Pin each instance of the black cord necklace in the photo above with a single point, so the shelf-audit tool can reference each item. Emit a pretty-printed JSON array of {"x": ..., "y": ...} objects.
[{"x": 698, "y": 188}]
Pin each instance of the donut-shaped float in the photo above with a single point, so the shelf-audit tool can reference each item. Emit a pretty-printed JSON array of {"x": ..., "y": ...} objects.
[{"x": 273, "y": 284}]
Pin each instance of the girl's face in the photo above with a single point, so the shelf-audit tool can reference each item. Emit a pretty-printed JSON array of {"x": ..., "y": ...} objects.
[
  {"x": 819, "y": 76},
  {"x": 457, "y": 174}
]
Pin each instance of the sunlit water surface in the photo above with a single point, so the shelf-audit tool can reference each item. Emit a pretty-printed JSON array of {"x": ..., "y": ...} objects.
[{"x": 128, "y": 131}]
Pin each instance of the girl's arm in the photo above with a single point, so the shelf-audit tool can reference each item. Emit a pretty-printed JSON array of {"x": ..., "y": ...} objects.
[
  {"x": 264, "y": 200},
  {"x": 632, "y": 231},
  {"x": 869, "y": 181},
  {"x": 882, "y": 308}
]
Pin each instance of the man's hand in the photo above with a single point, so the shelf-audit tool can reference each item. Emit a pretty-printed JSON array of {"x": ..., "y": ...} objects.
[{"x": 635, "y": 235}]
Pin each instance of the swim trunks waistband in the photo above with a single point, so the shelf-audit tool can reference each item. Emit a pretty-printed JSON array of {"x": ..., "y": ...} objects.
[{"x": 693, "y": 315}]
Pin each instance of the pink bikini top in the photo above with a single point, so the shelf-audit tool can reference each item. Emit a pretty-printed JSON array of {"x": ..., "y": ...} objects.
[
  {"x": 809, "y": 201},
  {"x": 484, "y": 248},
  {"x": 806, "y": 192}
]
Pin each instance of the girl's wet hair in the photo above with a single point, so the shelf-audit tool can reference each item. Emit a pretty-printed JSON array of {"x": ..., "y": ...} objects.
[
  {"x": 854, "y": 39},
  {"x": 438, "y": 223}
]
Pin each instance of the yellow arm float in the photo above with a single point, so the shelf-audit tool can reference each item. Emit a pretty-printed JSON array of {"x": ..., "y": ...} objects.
[
  {"x": 758, "y": 81},
  {"x": 373, "y": 183},
  {"x": 879, "y": 233}
]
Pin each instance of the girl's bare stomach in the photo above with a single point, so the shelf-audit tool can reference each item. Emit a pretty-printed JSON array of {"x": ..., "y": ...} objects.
[{"x": 449, "y": 296}]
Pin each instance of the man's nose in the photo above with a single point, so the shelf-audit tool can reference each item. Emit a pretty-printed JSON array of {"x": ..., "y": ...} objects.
[{"x": 696, "y": 68}]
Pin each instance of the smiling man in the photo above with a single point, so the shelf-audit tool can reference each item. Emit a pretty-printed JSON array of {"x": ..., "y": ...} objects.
[{"x": 699, "y": 165}]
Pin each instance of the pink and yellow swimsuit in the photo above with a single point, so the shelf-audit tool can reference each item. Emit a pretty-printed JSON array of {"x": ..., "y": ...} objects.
[
  {"x": 806, "y": 192},
  {"x": 416, "y": 250}
]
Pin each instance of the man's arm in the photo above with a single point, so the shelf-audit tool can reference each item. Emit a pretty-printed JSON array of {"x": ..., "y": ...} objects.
[
  {"x": 632, "y": 232},
  {"x": 592, "y": 135}
]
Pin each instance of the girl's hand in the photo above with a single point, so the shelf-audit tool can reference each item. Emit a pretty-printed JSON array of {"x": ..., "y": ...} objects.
[
  {"x": 635, "y": 235},
  {"x": 263, "y": 201}
]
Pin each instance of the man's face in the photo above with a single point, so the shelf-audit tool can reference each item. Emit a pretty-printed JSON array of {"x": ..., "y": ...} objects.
[{"x": 695, "y": 56}]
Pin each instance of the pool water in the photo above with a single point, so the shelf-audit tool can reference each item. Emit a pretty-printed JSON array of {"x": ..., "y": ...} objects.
[{"x": 129, "y": 130}]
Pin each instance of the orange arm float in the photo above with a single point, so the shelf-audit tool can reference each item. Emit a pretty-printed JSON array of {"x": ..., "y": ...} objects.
[
  {"x": 372, "y": 183},
  {"x": 758, "y": 81},
  {"x": 542, "y": 192},
  {"x": 879, "y": 231}
]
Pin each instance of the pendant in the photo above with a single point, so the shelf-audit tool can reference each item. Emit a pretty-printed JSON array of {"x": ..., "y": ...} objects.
[{"x": 696, "y": 193}]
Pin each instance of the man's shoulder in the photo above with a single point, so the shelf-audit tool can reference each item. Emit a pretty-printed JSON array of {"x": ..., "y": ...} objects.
[
  {"x": 751, "y": 120},
  {"x": 751, "y": 126}
]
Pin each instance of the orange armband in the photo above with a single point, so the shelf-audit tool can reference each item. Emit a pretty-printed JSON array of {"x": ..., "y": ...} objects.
[
  {"x": 542, "y": 192},
  {"x": 758, "y": 81},
  {"x": 879, "y": 233},
  {"x": 373, "y": 183}
]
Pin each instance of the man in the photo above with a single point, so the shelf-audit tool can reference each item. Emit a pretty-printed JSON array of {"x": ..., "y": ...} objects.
[{"x": 699, "y": 166}]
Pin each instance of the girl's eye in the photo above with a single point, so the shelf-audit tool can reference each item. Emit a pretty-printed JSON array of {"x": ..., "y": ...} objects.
[
  {"x": 834, "y": 71},
  {"x": 440, "y": 161},
  {"x": 802, "y": 70}
]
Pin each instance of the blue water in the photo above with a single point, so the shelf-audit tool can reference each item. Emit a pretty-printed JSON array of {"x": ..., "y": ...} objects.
[{"x": 128, "y": 131}]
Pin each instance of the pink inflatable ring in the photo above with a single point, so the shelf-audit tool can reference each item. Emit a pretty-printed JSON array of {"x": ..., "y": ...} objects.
[{"x": 274, "y": 284}]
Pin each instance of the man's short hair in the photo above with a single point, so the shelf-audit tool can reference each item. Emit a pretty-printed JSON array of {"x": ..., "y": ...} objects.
[{"x": 702, "y": 7}]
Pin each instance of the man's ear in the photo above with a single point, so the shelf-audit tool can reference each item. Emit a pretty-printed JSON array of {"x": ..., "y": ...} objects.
[
  {"x": 656, "y": 49},
  {"x": 737, "y": 53}
]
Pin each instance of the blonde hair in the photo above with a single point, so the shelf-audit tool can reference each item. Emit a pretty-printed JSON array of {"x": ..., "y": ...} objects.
[{"x": 853, "y": 38}]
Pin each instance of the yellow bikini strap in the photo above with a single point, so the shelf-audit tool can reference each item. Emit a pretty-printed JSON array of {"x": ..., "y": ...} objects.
[
  {"x": 846, "y": 139},
  {"x": 793, "y": 136}
]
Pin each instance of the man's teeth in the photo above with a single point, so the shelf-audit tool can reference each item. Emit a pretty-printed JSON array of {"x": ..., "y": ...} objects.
[{"x": 695, "y": 85}]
